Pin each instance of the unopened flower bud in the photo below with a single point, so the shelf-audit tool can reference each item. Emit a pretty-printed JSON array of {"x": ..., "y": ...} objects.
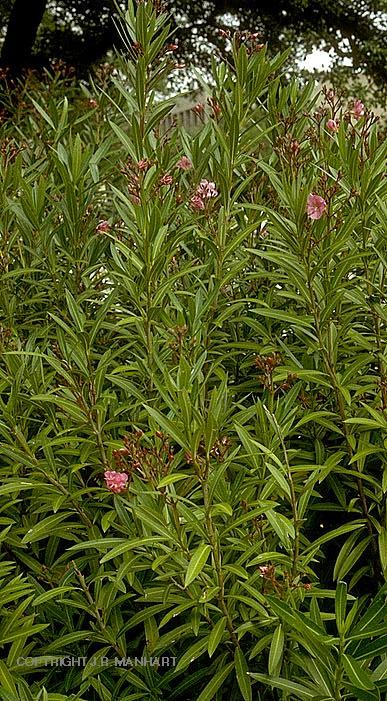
[
  {"x": 166, "y": 180},
  {"x": 332, "y": 125},
  {"x": 103, "y": 227},
  {"x": 143, "y": 164}
]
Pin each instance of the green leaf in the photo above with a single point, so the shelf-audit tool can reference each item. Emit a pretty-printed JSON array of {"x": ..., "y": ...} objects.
[
  {"x": 243, "y": 680},
  {"x": 340, "y": 605},
  {"x": 300, "y": 691},
  {"x": 168, "y": 426},
  {"x": 171, "y": 479},
  {"x": 236, "y": 569},
  {"x": 196, "y": 563},
  {"x": 382, "y": 541},
  {"x": 131, "y": 545},
  {"x": 372, "y": 649},
  {"x": 155, "y": 523},
  {"x": 276, "y": 651},
  {"x": 142, "y": 616},
  {"x": 52, "y": 594},
  {"x": 356, "y": 674},
  {"x": 334, "y": 534},
  {"x": 216, "y": 635},
  {"x": 77, "y": 315},
  {"x": 349, "y": 555},
  {"x": 21, "y": 633},
  {"x": 191, "y": 654},
  {"x": 19, "y": 485},
  {"x": 6, "y": 679},
  {"x": 46, "y": 528},
  {"x": 62, "y": 642},
  {"x": 215, "y": 683}
]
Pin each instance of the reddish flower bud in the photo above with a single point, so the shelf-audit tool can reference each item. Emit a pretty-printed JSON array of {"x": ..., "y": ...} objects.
[
  {"x": 166, "y": 180},
  {"x": 333, "y": 125},
  {"x": 197, "y": 202},
  {"x": 103, "y": 227},
  {"x": 143, "y": 164}
]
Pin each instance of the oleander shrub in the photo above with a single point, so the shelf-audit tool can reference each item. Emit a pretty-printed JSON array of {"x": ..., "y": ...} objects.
[{"x": 193, "y": 387}]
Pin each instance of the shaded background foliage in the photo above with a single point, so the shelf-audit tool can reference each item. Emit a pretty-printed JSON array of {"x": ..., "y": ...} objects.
[{"x": 82, "y": 31}]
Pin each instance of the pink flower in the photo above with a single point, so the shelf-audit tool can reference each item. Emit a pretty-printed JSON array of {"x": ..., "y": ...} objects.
[
  {"x": 102, "y": 227},
  {"x": 316, "y": 206},
  {"x": 206, "y": 189},
  {"x": 358, "y": 109},
  {"x": 166, "y": 180},
  {"x": 197, "y": 202},
  {"x": 143, "y": 164},
  {"x": 333, "y": 125},
  {"x": 184, "y": 163},
  {"x": 116, "y": 481}
]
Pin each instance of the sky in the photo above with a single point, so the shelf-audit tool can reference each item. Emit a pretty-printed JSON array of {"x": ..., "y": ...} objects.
[{"x": 320, "y": 60}]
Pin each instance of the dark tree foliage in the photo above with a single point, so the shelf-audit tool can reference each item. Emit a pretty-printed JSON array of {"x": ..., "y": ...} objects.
[
  {"x": 24, "y": 20},
  {"x": 355, "y": 29},
  {"x": 81, "y": 31}
]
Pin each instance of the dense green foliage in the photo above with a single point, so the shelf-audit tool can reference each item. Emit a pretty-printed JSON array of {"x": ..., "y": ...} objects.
[{"x": 224, "y": 350}]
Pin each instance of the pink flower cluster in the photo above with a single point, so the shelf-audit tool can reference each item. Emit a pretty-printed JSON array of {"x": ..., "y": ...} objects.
[
  {"x": 116, "y": 481},
  {"x": 184, "y": 163},
  {"x": 316, "y": 206},
  {"x": 205, "y": 190}
]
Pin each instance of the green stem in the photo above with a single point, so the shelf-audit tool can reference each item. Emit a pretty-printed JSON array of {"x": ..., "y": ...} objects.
[
  {"x": 330, "y": 369},
  {"x": 293, "y": 501},
  {"x": 217, "y": 558},
  {"x": 95, "y": 610},
  {"x": 339, "y": 672}
]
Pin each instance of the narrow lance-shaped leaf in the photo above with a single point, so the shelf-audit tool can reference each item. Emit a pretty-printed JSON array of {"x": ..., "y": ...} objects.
[{"x": 196, "y": 563}]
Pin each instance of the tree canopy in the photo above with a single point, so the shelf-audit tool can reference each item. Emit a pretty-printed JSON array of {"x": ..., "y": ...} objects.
[{"x": 81, "y": 31}]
